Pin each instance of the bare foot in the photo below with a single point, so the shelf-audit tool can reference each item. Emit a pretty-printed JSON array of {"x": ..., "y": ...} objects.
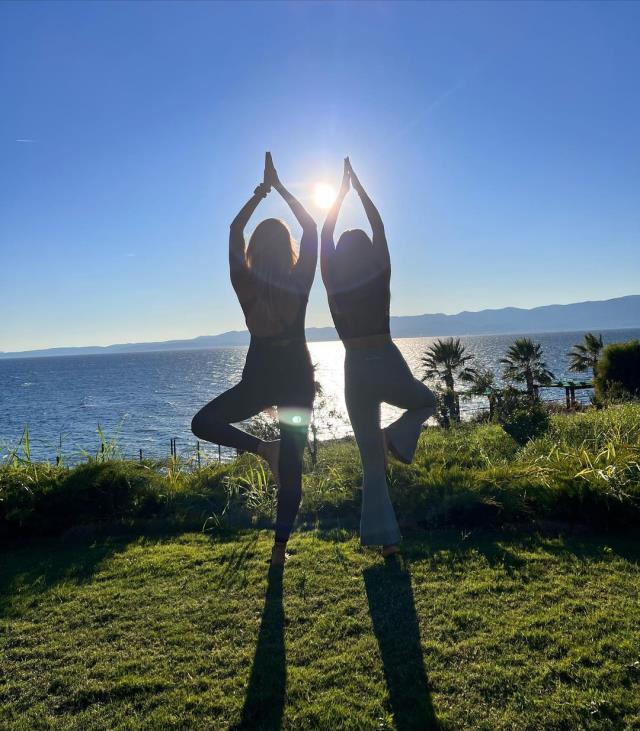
[
  {"x": 270, "y": 451},
  {"x": 391, "y": 449},
  {"x": 390, "y": 550},
  {"x": 279, "y": 554}
]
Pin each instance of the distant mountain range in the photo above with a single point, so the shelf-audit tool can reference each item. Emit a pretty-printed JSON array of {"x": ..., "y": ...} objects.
[{"x": 618, "y": 313}]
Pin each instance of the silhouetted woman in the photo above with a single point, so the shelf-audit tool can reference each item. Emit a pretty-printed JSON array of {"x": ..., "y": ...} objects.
[
  {"x": 272, "y": 284},
  {"x": 356, "y": 274}
]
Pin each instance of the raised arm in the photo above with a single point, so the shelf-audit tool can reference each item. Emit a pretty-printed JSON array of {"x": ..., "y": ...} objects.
[
  {"x": 237, "y": 258},
  {"x": 271, "y": 179},
  {"x": 379, "y": 238},
  {"x": 308, "y": 256},
  {"x": 327, "y": 246}
]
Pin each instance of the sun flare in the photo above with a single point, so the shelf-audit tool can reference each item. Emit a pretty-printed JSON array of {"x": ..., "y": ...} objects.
[{"x": 324, "y": 195}]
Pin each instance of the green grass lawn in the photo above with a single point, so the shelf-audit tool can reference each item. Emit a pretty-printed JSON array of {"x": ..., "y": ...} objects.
[{"x": 485, "y": 630}]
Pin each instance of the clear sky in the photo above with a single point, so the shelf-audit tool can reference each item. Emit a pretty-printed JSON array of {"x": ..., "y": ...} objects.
[{"x": 500, "y": 142}]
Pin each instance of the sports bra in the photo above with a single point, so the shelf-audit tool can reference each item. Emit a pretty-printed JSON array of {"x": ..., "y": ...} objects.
[{"x": 362, "y": 310}]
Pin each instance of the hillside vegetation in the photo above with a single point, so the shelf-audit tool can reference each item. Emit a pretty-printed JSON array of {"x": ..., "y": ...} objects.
[{"x": 583, "y": 470}]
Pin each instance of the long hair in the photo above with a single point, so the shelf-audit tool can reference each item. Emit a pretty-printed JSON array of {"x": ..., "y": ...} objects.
[
  {"x": 356, "y": 266},
  {"x": 271, "y": 255}
]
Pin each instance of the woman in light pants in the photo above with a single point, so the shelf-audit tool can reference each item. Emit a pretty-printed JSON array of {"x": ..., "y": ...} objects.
[{"x": 356, "y": 274}]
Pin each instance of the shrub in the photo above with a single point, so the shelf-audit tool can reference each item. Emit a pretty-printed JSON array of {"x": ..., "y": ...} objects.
[
  {"x": 264, "y": 426},
  {"x": 521, "y": 417},
  {"x": 618, "y": 370},
  {"x": 89, "y": 493}
]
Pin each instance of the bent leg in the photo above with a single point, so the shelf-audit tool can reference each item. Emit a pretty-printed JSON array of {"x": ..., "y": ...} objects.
[
  {"x": 213, "y": 423},
  {"x": 294, "y": 423},
  {"x": 406, "y": 392},
  {"x": 378, "y": 524}
]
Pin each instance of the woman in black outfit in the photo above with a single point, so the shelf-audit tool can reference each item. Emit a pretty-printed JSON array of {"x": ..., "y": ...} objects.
[{"x": 272, "y": 284}]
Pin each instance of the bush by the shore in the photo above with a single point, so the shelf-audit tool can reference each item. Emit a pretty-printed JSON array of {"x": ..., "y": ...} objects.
[
  {"x": 583, "y": 470},
  {"x": 618, "y": 371}
]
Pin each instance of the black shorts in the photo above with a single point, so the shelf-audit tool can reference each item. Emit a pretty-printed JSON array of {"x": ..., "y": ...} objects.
[{"x": 280, "y": 373}]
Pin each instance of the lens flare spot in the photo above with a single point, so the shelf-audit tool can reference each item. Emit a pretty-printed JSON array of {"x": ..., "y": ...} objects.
[{"x": 294, "y": 416}]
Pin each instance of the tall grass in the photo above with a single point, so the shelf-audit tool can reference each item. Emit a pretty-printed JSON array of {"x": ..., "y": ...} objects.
[{"x": 585, "y": 469}]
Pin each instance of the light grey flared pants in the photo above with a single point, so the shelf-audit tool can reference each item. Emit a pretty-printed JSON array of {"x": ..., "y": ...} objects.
[{"x": 373, "y": 375}]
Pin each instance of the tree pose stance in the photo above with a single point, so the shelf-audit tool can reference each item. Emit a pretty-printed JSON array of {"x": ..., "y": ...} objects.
[
  {"x": 356, "y": 274},
  {"x": 273, "y": 286}
]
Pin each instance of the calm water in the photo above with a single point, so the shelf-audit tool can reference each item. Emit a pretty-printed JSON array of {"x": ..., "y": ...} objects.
[{"x": 147, "y": 398}]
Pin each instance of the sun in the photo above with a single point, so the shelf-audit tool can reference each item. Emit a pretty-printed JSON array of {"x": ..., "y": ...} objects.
[{"x": 324, "y": 195}]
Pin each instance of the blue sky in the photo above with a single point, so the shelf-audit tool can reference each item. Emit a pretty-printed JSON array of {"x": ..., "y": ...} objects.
[{"x": 500, "y": 142}]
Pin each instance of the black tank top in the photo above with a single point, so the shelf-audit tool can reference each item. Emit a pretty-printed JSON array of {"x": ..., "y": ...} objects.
[
  {"x": 364, "y": 309},
  {"x": 275, "y": 312},
  {"x": 283, "y": 322}
]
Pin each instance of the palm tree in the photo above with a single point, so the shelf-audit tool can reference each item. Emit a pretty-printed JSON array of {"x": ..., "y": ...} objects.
[
  {"x": 483, "y": 383},
  {"x": 446, "y": 359},
  {"x": 584, "y": 356},
  {"x": 524, "y": 364}
]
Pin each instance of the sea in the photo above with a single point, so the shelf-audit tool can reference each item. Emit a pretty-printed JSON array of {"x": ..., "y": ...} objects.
[{"x": 144, "y": 401}]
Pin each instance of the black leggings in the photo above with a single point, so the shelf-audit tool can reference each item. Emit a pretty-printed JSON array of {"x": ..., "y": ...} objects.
[{"x": 279, "y": 376}]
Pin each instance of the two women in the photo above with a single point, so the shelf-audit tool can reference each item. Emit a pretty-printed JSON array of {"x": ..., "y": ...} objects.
[{"x": 273, "y": 286}]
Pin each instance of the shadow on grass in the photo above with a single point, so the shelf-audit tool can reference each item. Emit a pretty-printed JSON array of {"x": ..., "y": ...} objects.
[
  {"x": 29, "y": 572},
  {"x": 236, "y": 562},
  {"x": 264, "y": 700},
  {"x": 502, "y": 547},
  {"x": 395, "y": 625}
]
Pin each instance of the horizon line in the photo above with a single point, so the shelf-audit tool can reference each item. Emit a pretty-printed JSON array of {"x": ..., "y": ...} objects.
[{"x": 244, "y": 332}]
